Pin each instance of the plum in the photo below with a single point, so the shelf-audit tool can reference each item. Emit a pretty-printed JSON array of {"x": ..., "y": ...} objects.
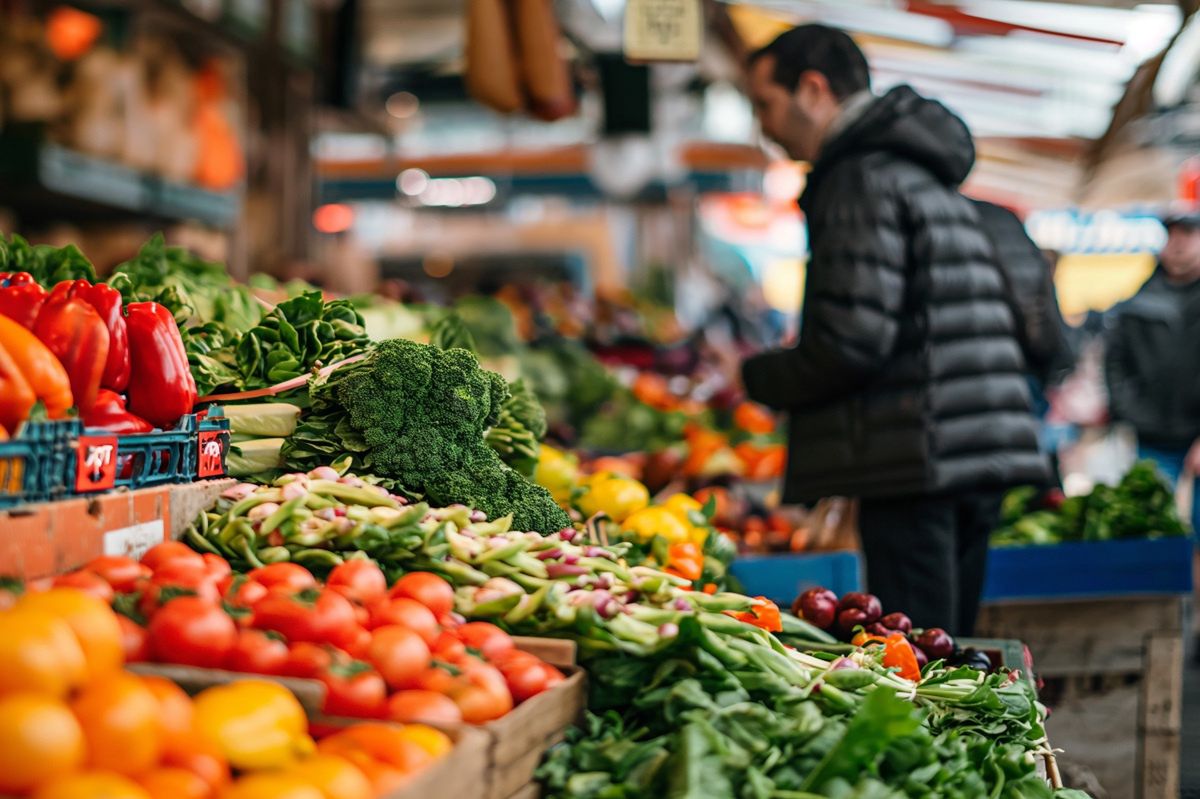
[
  {"x": 922, "y": 658},
  {"x": 936, "y": 642},
  {"x": 898, "y": 622},
  {"x": 875, "y": 628},
  {"x": 867, "y": 603},
  {"x": 850, "y": 618},
  {"x": 817, "y": 606}
]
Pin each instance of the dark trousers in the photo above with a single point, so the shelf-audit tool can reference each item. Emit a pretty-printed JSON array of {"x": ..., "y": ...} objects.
[{"x": 926, "y": 555}]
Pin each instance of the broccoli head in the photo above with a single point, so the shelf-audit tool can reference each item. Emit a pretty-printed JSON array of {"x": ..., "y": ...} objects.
[{"x": 423, "y": 412}]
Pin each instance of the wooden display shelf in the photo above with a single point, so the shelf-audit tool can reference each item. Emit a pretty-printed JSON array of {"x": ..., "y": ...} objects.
[
  {"x": 49, "y": 538},
  {"x": 1113, "y": 672}
]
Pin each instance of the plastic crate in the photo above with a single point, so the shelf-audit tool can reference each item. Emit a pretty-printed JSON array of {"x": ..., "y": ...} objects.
[
  {"x": 171, "y": 456},
  {"x": 39, "y": 464},
  {"x": 1091, "y": 569},
  {"x": 782, "y": 578}
]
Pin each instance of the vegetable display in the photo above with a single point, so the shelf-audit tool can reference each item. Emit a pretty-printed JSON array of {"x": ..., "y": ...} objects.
[
  {"x": 74, "y": 724},
  {"x": 416, "y": 415},
  {"x": 398, "y": 654},
  {"x": 1141, "y": 505}
]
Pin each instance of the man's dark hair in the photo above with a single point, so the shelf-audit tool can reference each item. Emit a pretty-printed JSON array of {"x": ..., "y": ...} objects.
[{"x": 821, "y": 49}]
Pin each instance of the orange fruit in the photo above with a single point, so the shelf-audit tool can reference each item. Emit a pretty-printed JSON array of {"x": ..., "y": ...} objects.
[
  {"x": 91, "y": 785},
  {"x": 40, "y": 654},
  {"x": 335, "y": 777},
  {"x": 93, "y": 622},
  {"x": 168, "y": 782},
  {"x": 39, "y": 738},
  {"x": 271, "y": 786},
  {"x": 120, "y": 720},
  {"x": 176, "y": 715}
]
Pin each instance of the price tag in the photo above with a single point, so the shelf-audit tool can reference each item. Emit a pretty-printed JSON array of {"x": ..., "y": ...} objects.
[
  {"x": 211, "y": 453},
  {"x": 95, "y": 463},
  {"x": 133, "y": 541},
  {"x": 663, "y": 30}
]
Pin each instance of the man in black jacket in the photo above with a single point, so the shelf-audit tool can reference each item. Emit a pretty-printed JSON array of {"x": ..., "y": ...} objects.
[
  {"x": 907, "y": 387},
  {"x": 1152, "y": 358}
]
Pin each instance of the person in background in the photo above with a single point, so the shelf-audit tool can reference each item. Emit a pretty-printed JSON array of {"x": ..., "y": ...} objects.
[
  {"x": 907, "y": 386},
  {"x": 1152, "y": 358},
  {"x": 1029, "y": 274}
]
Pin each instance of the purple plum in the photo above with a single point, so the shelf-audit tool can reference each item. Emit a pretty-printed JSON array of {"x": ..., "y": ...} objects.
[
  {"x": 867, "y": 603},
  {"x": 898, "y": 622}
]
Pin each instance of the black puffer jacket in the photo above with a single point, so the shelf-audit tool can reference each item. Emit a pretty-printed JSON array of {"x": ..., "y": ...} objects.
[
  {"x": 1048, "y": 353},
  {"x": 1152, "y": 363},
  {"x": 908, "y": 377}
]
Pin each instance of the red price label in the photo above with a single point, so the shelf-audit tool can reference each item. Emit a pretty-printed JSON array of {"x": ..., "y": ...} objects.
[
  {"x": 211, "y": 454},
  {"x": 95, "y": 463}
]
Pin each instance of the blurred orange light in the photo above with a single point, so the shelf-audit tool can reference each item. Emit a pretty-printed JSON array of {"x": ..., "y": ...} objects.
[
  {"x": 333, "y": 218},
  {"x": 71, "y": 32}
]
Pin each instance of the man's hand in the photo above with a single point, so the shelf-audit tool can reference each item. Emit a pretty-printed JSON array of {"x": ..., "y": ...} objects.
[{"x": 1192, "y": 461}]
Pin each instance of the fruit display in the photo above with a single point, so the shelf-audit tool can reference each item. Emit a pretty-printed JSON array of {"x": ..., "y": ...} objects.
[
  {"x": 75, "y": 724},
  {"x": 397, "y": 653},
  {"x": 1141, "y": 505}
]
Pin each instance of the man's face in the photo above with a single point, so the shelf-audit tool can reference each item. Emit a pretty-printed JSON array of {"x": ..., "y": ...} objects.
[
  {"x": 1181, "y": 255},
  {"x": 796, "y": 121}
]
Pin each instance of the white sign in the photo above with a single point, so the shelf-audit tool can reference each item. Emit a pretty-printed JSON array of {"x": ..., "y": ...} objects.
[
  {"x": 133, "y": 541},
  {"x": 663, "y": 30}
]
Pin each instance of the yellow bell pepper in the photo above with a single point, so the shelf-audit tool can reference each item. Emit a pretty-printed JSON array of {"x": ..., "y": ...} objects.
[
  {"x": 557, "y": 472},
  {"x": 615, "y": 495},
  {"x": 257, "y": 724},
  {"x": 649, "y": 522}
]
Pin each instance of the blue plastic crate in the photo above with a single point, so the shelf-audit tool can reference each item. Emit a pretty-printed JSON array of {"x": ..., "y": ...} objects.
[
  {"x": 1090, "y": 569},
  {"x": 781, "y": 578},
  {"x": 38, "y": 465},
  {"x": 170, "y": 456}
]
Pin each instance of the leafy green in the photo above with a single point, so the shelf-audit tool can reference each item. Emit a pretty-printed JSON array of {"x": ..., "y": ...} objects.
[
  {"x": 626, "y": 423},
  {"x": 416, "y": 415},
  {"x": 1142, "y": 505},
  {"x": 47, "y": 264}
]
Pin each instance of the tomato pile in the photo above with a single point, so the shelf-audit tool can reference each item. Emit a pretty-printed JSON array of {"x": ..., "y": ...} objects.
[
  {"x": 75, "y": 725},
  {"x": 400, "y": 654}
]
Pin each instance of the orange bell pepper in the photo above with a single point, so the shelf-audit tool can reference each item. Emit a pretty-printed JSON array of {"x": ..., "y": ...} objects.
[
  {"x": 764, "y": 614},
  {"x": 754, "y": 418},
  {"x": 16, "y": 396},
  {"x": 685, "y": 560},
  {"x": 45, "y": 375},
  {"x": 898, "y": 654}
]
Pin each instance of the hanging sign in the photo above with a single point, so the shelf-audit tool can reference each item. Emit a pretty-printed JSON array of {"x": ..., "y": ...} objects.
[{"x": 663, "y": 30}]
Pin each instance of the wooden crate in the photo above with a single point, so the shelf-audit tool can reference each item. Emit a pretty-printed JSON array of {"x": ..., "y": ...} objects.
[
  {"x": 519, "y": 740},
  {"x": 1114, "y": 672}
]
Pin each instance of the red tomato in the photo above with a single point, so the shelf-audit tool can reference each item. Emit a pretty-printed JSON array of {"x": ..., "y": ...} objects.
[
  {"x": 257, "y": 652},
  {"x": 526, "y": 675},
  {"x": 427, "y": 588},
  {"x": 354, "y": 689},
  {"x": 159, "y": 554},
  {"x": 326, "y": 619},
  {"x": 182, "y": 571},
  {"x": 289, "y": 577},
  {"x": 362, "y": 615},
  {"x": 134, "y": 640},
  {"x": 192, "y": 632},
  {"x": 447, "y": 647},
  {"x": 406, "y": 613},
  {"x": 359, "y": 581},
  {"x": 240, "y": 591},
  {"x": 357, "y": 643},
  {"x": 485, "y": 638},
  {"x": 400, "y": 654},
  {"x": 120, "y": 572},
  {"x": 426, "y": 707},
  {"x": 216, "y": 567},
  {"x": 155, "y": 595},
  {"x": 87, "y": 582},
  {"x": 480, "y": 705},
  {"x": 438, "y": 678},
  {"x": 307, "y": 660}
]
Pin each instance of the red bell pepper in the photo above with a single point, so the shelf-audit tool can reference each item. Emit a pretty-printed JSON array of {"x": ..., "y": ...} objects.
[
  {"x": 108, "y": 413},
  {"x": 161, "y": 386},
  {"x": 75, "y": 333},
  {"x": 21, "y": 298},
  {"x": 107, "y": 302}
]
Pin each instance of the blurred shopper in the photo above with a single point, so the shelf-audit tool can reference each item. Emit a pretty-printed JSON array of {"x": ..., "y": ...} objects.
[
  {"x": 1152, "y": 363},
  {"x": 907, "y": 387},
  {"x": 1029, "y": 274}
]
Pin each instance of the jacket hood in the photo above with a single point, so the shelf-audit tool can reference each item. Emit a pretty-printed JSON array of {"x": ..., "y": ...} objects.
[{"x": 911, "y": 127}]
